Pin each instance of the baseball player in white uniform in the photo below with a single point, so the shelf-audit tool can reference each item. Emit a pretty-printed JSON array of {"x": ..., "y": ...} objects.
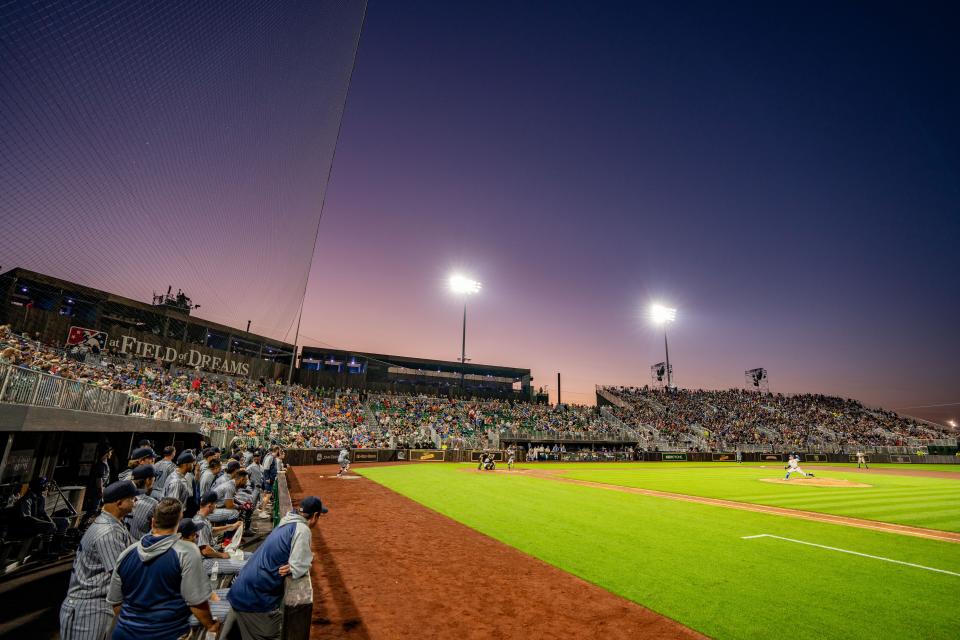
[
  {"x": 344, "y": 460},
  {"x": 862, "y": 459},
  {"x": 511, "y": 457},
  {"x": 793, "y": 466}
]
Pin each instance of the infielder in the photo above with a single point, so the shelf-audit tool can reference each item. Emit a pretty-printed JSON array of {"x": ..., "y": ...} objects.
[
  {"x": 862, "y": 459},
  {"x": 344, "y": 460},
  {"x": 511, "y": 456}
]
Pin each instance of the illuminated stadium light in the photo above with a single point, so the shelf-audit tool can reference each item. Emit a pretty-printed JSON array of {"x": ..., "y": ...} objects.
[
  {"x": 952, "y": 423},
  {"x": 661, "y": 314},
  {"x": 462, "y": 285}
]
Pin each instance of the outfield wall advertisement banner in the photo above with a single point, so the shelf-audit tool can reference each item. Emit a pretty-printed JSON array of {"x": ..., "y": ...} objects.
[
  {"x": 497, "y": 455},
  {"x": 427, "y": 455},
  {"x": 679, "y": 457},
  {"x": 724, "y": 457},
  {"x": 770, "y": 457},
  {"x": 815, "y": 457},
  {"x": 900, "y": 459}
]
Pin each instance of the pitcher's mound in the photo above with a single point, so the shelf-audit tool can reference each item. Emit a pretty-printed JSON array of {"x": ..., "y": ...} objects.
[{"x": 816, "y": 482}]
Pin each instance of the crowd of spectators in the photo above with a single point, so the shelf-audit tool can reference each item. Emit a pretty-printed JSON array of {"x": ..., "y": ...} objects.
[
  {"x": 724, "y": 419},
  {"x": 296, "y": 416}
]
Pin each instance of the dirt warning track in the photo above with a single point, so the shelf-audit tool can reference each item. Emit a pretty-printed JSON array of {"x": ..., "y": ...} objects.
[
  {"x": 918, "y": 532},
  {"x": 387, "y": 567}
]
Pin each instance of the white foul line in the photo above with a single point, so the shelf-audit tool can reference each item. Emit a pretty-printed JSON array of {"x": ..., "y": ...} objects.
[{"x": 855, "y": 553}]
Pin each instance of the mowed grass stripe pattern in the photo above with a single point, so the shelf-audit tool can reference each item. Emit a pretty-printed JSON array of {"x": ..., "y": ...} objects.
[
  {"x": 688, "y": 561},
  {"x": 933, "y": 503}
]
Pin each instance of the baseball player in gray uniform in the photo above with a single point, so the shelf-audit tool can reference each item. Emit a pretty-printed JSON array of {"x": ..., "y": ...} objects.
[
  {"x": 178, "y": 485},
  {"x": 139, "y": 522},
  {"x": 163, "y": 468},
  {"x": 143, "y": 455},
  {"x": 85, "y": 614},
  {"x": 210, "y": 475}
]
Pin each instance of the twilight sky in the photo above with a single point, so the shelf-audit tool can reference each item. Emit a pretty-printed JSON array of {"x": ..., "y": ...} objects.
[{"x": 785, "y": 175}]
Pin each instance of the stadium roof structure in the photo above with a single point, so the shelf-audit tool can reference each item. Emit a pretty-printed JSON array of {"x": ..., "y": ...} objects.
[
  {"x": 91, "y": 295},
  {"x": 382, "y": 360}
]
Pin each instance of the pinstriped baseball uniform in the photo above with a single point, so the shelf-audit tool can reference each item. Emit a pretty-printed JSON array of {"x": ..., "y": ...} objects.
[
  {"x": 178, "y": 488},
  {"x": 139, "y": 521},
  {"x": 85, "y": 614},
  {"x": 207, "y": 479},
  {"x": 164, "y": 469}
]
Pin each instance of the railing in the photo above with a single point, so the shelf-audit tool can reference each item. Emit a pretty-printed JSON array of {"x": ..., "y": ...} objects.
[
  {"x": 19, "y": 385},
  {"x": 535, "y": 435}
]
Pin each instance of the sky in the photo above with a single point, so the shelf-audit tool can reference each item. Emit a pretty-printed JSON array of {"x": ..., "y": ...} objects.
[{"x": 784, "y": 175}]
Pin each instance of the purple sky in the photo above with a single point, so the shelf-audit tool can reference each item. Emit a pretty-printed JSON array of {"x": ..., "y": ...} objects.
[{"x": 785, "y": 176}]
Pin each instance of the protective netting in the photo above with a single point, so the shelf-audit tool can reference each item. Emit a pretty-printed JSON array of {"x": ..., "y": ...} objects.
[{"x": 149, "y": 143}]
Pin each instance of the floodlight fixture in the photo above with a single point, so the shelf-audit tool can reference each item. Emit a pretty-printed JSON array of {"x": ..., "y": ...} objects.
[
  {"x": 463, "y": 285},
  {"x": 661, "y": 314}
]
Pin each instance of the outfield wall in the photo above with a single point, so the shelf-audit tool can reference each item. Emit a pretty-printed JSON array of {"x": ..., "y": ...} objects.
[{"x": 306, "y": 457}]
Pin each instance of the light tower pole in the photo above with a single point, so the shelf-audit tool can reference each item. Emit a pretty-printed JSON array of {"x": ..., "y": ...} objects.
[
  {"x": 662, "y": 315},
  {"x": 463, "y": 286}
]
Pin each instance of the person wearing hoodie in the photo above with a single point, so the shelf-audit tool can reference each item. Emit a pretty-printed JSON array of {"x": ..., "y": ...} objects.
[
  {"x": 257, "y": 591},
  {"x": 159, "y": 582}
]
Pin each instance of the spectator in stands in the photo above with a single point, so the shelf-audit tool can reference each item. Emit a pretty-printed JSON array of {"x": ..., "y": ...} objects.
[
  {"x": 163, "y": 469},
  {"x": 142, "y": 455},
  {"x": 159, "y": 582},
  {"x": 85, "y": 614},
  {"x": 206, "y": 530},
  {"x": 257, "y": 591},
  {"x": 255, "y": 478},
  {"x": 140, "y": 519}
]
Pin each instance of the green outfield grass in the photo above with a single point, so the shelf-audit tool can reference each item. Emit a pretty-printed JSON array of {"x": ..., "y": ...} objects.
[
  {"x": 916, "y": 501},
  {"x": 691, "y": 563}
]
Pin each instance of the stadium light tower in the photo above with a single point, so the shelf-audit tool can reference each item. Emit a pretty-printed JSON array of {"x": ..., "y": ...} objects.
[
  {"x": 466, "y": 287},
  {"x": 661, "y": 315}
]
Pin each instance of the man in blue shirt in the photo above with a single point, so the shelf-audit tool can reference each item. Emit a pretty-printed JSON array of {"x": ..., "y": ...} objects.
[
  {"x": 159, "y": 582},
  {"x": 257, "y": 592}
]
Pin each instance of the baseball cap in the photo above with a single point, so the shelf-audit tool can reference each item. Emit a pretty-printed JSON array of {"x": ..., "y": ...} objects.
[
  {"x": 208, "y": 497},
  {"x": 143, "y": 472},
  {"x": 143, "y": 452},
  {"x": 311, "y": 505},
  {"x": 185, "y": 457},
  {"x": 232, "y": 466},
  {"x": 187, "y": 527},
  {"x": 118, "y": 491}
]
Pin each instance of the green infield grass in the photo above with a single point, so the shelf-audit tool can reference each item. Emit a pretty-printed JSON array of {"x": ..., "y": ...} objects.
[
  {"x": 691, "y": 562},
  {"x": 899, "y": 499}
]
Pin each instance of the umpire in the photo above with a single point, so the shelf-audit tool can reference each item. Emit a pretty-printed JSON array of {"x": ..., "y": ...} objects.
[
  {"x": 85, "y": 614},
  {"x": 257, "y": 591}
]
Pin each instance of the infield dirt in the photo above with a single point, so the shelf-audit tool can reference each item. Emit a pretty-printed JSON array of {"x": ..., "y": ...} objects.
[{"x": 387, "y": 567}]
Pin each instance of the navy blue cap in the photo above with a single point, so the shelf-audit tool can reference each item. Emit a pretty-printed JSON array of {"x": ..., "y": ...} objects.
[
  {"x": 208, "y": 497},
  {"x": 187, "y": 527},
  {"x": 185, "y": 457},
  {"x": 143, "y": 472},
  {"x": 311, "y": 505},
  {"x": 118, "y": 491},
  {"x": 143, "y": 452}
]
